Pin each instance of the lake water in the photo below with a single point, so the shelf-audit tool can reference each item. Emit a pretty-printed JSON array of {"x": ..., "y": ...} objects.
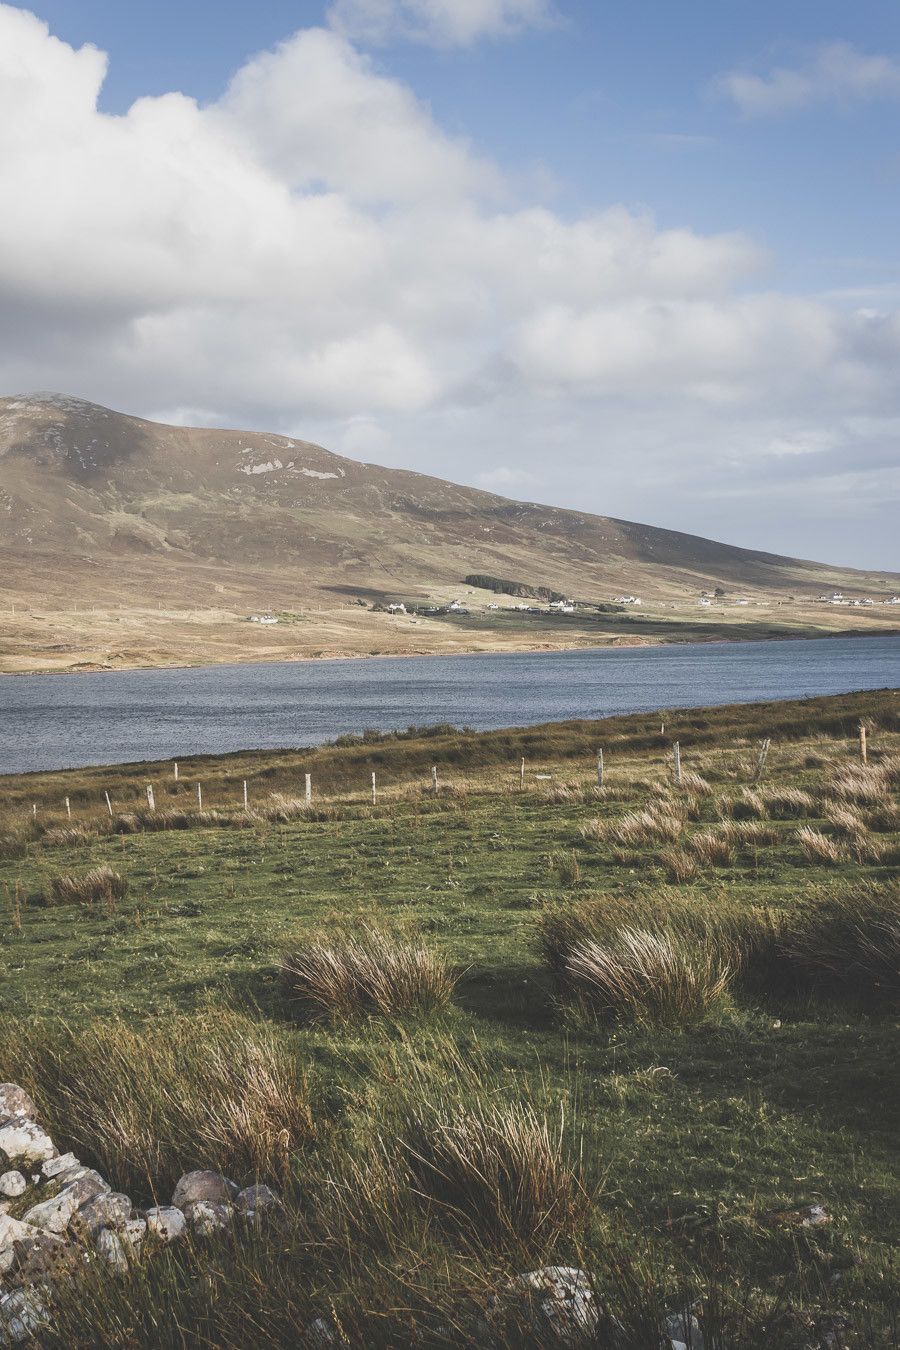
[{"x": 69, "y": 721}]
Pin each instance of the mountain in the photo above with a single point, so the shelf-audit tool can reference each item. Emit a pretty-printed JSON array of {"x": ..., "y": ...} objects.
[{"x": 101, "y": 509}]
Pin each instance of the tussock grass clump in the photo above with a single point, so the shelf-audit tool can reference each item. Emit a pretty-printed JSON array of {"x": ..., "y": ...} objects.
[
  {"x": 361, "y": 974},
  {"x": 496, "y": 1172},
  {"x": 748, "y": 806},
  {"x": 884, "y": 819},
  {"x": 713, "y": 848},
  {"x": 788, "y": 803},
  {"x": 844, "y": 821},
  {"x": 818, "y": 847},
  {"x": 866, "y": 785},
  {"x": 747, "y": 834},
  {"x": 657, "y": 978},
  {"x": 848, "y": 944},
  {"x": 99, "y": 886},
  {"x": 68, "y": 836},
  {"x": 661, "y": 822},
  {"x": 679, "y": 866},
  {"x": 146, "y": 1103},
  {"x": 694, "y": 784}
]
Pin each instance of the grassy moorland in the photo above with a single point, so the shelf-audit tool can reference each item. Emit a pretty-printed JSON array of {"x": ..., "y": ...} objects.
[{"x": 648, "y": 1029}]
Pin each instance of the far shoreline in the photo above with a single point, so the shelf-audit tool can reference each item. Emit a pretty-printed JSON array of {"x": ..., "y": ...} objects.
[{"x": 544, "y": 649}]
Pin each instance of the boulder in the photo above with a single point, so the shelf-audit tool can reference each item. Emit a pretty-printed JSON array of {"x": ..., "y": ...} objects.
[
  {"x": 12, "y": 1185},
  {"x": 133, "y": 1231},
  {"x": 43, "y": 1259},
  {"x": 112, "y": 1250},
  {"x": 255, "y": 1200},
  {"x": 22, "y": 1316},
  {"x": 56, "y": 1214},
  {"x": 564, "y": 1298},
  {"x": 57, "y": 1167},
  {"x": 11, "y": 1232},
  {"x": 22, "y": 1141},
  {"x": 195, "y": 1187},
  {"x": 111, "y": 1209},
  {"x": 15, "y": 1103},
  {"x": 206, "y": 1217},
  {"x": 165, "y": 1222}
]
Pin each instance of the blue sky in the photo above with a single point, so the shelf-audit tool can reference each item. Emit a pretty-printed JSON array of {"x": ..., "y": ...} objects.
[{"x": 761, "y": 140}]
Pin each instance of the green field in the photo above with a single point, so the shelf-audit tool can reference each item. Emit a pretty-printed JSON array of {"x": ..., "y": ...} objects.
[{"x": 692, "y": 1141}]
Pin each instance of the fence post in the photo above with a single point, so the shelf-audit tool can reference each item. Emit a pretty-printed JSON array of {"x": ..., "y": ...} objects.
[
  {"x": 308, "y": 788},
  {"x": 68, "y": 808},
  {"x": 34, "y": 810},
  {"x": 199, "y": 797},
  {"x": 150, "y": 798},
  {"x": 522, "y": 773},
  {"x": 761, "y": 760},
  {"x": 373, "y": 787},
  {"x": 863, "y": 748},
  {"x": 108, "y": 804},
  {"x": 246, "y": 801},
  {"x": 176, "y": 772},
  {"x": 434, "y": 782},
  {"x": 599, "y": 768},
  {"x": 676, "y": 760}
]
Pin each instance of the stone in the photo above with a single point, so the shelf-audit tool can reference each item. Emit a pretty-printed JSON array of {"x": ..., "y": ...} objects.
[
  {"x": 22, "y": 1316},
  {"x": 43, "y": 1259},
  {"x": 133, "y": 1231},
  {"x": 203, "y": 1186},
  {"x": 11, "y": 1232},
  {"x": 255, "y": 1200},
  {"x": 112, "y": 1250},
  {"x": 684, "y": 1329},
  {"x": 56, "y": 1214},
  {"x": 206, "y": 1217},
  {"x": 15, "y": 1103},
  {"x": 565, "y": 1297},
  {"x": 56, "y": 1167},
  {"x": 165, "y": 1222},
  {"x": 111, "y": 1209},
  {"x": 22, "y": 1141},
  {"x": 12, "y": 1185}
]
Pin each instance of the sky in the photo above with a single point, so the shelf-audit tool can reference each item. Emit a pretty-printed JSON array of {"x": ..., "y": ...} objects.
[{"x": 641, "y": 260}]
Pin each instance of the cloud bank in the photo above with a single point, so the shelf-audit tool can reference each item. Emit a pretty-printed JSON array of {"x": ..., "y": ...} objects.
[
  {"x": 836, "y": 72},
  {"x": 437, "y": 23},
  {"x": 313, "y": 253}
]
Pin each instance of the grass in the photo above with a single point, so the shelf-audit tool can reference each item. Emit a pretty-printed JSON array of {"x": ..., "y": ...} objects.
[
  {"x": 366, "y": 973},
  {"x": 100, "y": 886},
  {"x": 649, "y": 1143}
]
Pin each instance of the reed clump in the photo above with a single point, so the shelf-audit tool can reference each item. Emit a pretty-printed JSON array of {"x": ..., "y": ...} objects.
[
  {"x": 370, "y": 972},
  {"x": 656, "y": 978},
  {"x": 99, "y": 886}
]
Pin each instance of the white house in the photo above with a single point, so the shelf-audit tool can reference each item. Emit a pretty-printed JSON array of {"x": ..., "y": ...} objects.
[
  {"x": 563, "y": 606},
  {"x": 396, "y": 609},
  {"x": 628, "y": 600},
  {"x": 263, "y": 618}
]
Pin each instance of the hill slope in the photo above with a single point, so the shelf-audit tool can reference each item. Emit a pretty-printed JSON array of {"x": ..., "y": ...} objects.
[{"x": 102, "y": 509}]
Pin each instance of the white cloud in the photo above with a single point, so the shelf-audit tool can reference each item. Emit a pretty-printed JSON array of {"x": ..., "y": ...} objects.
[
  {"x": 313, "y": 253},
  {"x": 835, "y": 71},
  {"x": 438, "y": 23}
]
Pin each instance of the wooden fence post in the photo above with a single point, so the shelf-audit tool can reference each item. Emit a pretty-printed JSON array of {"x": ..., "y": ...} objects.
[
  {"x": 599, "y": 768},
  {"x": 34, "y": 810},
  {"x": 676, "y": 761},
  {"x": 761, "y": 760},
  {"x": 863, "y": 748},
  {"x": 199, "y": 797},
  {"x": 434, "y": 782},
  {"x": 176, "y": 773},
  {"x": 108, "y": 804},
  {"x": 150, "y": 798},
  {"x": 246, "y": 799},
  {"x": 522, "y": 773},
  {"x": 373, "y": 788},
  {"x": 68, "y": 808},
  {"x": 308, "y": 788}
]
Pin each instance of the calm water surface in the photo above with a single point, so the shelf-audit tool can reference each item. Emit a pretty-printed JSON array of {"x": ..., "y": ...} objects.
[{"x": 68, "y": 721}]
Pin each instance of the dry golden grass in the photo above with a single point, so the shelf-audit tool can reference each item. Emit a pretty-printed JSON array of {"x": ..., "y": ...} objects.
[
  {"x": 818, "y": 847},
  {"x": 712, "y": 848},
  {"x": 787, "y": 803},
  {"x": 678, "y": 865},
  {"x": 336, "y": 978},
  {"x": 653, "y": 977},
  {"x": 99, "y": 886},
  {"x": 661, "y": 822}
]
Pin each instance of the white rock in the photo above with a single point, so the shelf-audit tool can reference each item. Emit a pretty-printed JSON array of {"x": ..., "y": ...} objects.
[
  {"x": 25, "y": 1142},
  {"x": 12, "y": 1231},
  {"x": 566, "y": 1300},
  {"x": 196, "y": 1186},
  {"x": 133, "y": 1232},
  {"x": 112, "y": 1250},
  {"x": 253, "y": 1200},
  {"x": 12, "y": 1184},
  {"x": 207, "y": 1218},
  {"x": 15, "y": 1103},
  {"x": 166, "y": 1222},
  {"x": 110, "y": 1209},
  {"x": 55, "y": 1167},
  {"x": 22, "y": 1316},
  {"x": 55, "y": 1214}
]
